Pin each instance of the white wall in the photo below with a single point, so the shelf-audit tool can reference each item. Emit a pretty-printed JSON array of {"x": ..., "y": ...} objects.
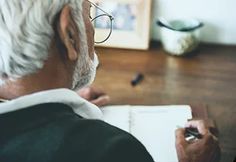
[{"x": 219, "y": 17}]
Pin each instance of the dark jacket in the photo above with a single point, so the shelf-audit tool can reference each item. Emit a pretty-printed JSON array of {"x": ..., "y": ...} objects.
[{"x": 54, "y": 133}]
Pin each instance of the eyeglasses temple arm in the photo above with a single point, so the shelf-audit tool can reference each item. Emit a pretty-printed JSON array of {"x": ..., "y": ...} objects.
[{"x": 102, "y": 10}]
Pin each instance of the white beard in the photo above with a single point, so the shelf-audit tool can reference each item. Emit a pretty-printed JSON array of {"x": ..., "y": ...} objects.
[{"x": 85, "y": 72}]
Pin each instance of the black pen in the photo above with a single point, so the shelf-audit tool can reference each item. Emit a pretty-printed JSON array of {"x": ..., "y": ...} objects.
[
  {"x": 193, "y": 132},
  {"x": 137, "y": 79}
]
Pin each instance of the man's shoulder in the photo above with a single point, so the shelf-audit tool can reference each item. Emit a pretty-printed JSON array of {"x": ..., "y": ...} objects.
[
  {"x": 95, "y": 141},
  {"x": 62, "y": 135},
  {"x": 103, "y": 143}
]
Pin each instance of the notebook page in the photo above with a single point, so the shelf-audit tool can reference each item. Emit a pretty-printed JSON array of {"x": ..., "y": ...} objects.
[
  {"x": 155, "y": 128},
  {"x": 118, "y": 116}
]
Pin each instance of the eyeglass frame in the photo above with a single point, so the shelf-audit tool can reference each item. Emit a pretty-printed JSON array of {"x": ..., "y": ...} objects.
[{"x": 105, "y": 14}]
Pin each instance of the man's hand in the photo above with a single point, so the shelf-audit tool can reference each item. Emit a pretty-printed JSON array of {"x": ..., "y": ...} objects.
[
  {"x": 94, "y": 95},
  {"x": 205, "y": 149}
]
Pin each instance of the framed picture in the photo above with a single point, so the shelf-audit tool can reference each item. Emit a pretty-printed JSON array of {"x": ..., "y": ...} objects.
[{"x": 130, "y": 27}]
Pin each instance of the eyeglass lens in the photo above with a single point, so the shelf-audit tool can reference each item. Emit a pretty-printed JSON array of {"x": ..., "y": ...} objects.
[{"x": 102, "y": 23}]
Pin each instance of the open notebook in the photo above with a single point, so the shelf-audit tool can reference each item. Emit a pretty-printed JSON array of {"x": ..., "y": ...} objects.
[{"x": 153, "y": 126}]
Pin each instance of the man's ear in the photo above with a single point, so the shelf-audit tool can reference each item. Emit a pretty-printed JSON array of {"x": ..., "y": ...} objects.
[{"x": 68, "y": 32}]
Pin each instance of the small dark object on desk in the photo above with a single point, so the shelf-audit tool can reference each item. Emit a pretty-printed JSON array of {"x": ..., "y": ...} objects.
[
  {"x": 137, "y": 79},
  {"x": 192, "y": 132}
]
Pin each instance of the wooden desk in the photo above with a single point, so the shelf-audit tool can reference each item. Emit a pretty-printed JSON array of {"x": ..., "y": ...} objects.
[{"x": 208, "y": 78}]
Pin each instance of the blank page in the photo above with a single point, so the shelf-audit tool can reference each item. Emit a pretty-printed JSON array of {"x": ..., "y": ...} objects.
[
  {"x": 118, "y": 116},
  {"x": 155, "y": 128}
]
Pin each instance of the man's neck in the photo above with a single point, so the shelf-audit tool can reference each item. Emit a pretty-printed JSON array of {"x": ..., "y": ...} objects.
[
  {"x": 31, "y": 84},
  {"x": 15, "y": 90}
]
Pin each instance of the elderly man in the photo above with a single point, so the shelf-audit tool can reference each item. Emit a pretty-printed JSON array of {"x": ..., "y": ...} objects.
[{"x": 46, "y": 49}]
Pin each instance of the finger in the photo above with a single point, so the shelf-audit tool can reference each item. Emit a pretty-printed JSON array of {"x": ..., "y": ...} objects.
[
  {"x": 84, "y": 93},
  {"x": 97, "y": 91},
  {"x": 101, "y": 101},
  {"x": 211, "y": 140},
  {"x": 180, "y": 137},
  {"x": 199, "y": 124},
  {"x": 90, "y": 93}
]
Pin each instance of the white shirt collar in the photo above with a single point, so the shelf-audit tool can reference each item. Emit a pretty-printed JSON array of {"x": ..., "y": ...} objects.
[{"x": 79, "y": 105}]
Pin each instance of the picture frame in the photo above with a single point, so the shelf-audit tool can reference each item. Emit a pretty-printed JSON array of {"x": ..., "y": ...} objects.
[{"x": 131, "y": 24}]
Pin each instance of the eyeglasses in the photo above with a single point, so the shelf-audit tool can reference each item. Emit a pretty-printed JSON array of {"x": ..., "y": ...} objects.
[{"x": 102, "y": 21}]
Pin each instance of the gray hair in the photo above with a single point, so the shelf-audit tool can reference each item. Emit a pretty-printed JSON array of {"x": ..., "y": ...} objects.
[{"x": 26, "y": 32}]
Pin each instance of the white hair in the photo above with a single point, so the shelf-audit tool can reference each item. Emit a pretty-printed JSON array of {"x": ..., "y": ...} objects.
[
  {"x": 26, "y": 32},
  {"x": 85, "y": 72}
]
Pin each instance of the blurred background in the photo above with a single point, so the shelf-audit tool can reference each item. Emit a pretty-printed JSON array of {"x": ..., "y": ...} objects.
[{"x": 219, "y": 17}]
